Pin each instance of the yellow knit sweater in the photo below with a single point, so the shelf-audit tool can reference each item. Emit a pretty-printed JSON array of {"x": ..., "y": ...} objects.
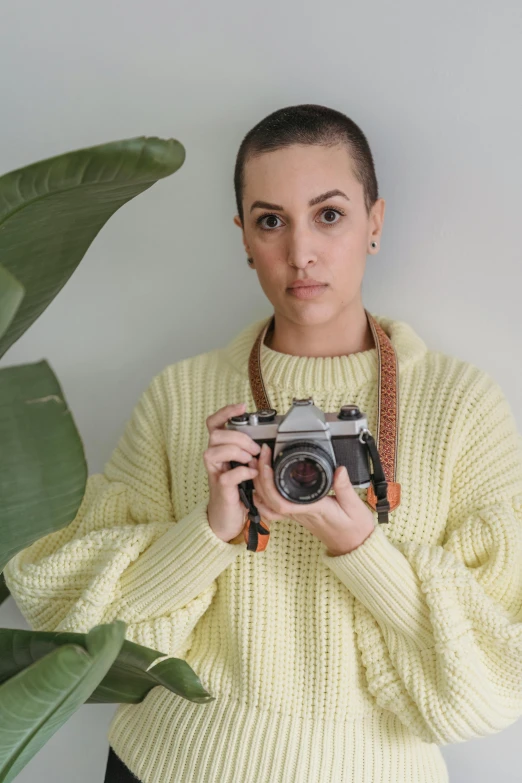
[{"x": 349, "y": 669}]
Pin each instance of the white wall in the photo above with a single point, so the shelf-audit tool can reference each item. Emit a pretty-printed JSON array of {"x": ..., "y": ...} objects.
[{"x": 436, "y": 89}]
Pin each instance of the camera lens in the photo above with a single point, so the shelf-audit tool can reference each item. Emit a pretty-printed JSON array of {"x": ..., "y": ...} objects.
[{"x": 303, "y": 472}]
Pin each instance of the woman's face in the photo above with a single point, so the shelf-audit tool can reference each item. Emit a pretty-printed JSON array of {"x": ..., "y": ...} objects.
[{"x": 291, "y": 240}]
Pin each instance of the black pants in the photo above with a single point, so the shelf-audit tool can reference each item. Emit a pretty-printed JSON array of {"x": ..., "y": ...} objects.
[{"x": 116, "y": 771}]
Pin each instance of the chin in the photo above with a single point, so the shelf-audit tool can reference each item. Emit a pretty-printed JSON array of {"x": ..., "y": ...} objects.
[{"x": 309, "y": 312}]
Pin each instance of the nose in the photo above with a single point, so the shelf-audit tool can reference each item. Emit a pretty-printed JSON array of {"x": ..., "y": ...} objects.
[{"x": 300, "y": 248}]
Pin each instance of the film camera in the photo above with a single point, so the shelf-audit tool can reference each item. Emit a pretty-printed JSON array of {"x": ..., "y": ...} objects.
[{"x": 307, "y": 445}]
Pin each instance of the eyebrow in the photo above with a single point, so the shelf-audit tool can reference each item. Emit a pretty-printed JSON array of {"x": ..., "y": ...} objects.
[{"x": 311, "y": 203}]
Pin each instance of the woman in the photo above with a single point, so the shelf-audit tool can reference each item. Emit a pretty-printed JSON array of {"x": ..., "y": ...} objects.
[{"x": 347, "y": 651}]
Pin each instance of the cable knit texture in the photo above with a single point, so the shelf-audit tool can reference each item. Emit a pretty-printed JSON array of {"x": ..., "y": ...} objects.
[{"x": 347, "y": 669}]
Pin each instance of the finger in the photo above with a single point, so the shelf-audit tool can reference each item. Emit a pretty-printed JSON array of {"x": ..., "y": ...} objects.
[
  {"x": 215, "y": 456},
  {"x": 265, "y": 481},
  {"x": 345, "y": 493},
  {"x": 266, "y": 513},
  {"x": 218, "y": 418},
  {"x": 231, "y": 478},
  {"x": 220, "y": 436}
]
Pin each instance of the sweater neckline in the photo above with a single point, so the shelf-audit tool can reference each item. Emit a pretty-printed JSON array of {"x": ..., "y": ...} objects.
[{"x": 304, "y": 374}]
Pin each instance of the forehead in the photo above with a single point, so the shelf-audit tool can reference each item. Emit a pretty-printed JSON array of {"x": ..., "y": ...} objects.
[{"x": 306, "y": 169}]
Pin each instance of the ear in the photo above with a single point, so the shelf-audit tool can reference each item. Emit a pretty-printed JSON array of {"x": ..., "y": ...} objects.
[
  {"x": 377, "y": 218},
  {"x": 237, "y": 221}
]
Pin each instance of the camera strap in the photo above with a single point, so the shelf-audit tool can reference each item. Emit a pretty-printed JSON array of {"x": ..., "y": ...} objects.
[{"x": 383, "y": 494}]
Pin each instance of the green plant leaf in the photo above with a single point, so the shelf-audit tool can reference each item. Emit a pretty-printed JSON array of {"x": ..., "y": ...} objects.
[
  {"x": 132, "y": 675},
  {"x": 43, "y": 470},
  {"x": 51, "y": 211},
  {"x": 11, "y": 294},
  {"x": 37, "y": 701}
]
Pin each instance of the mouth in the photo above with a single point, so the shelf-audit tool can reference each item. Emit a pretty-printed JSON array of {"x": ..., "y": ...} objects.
[
  {"x": 307, "y": 291},
  {"x": 308, "y": 282}
]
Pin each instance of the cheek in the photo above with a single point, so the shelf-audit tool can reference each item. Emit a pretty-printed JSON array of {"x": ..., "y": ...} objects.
[
  {"x": 271, "y": 270},
  {"x": 268, "y": 256},
  {"x": 352, "y": 240},
  {"x": 347, "y": 273},
  {"x": 270, "y": 284},
  {"x": 351, "y": 250}
]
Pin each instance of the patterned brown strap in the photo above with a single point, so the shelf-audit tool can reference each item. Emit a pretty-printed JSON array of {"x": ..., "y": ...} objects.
[{"x": 387, "y": 415}]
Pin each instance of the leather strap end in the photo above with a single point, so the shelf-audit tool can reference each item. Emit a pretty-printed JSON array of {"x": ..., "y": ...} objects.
[
  {"x": 262, "y": 540},
  {"x": 393, "y": 492}
]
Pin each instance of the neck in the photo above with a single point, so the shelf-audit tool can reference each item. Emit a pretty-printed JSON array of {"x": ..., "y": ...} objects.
[{"x": 348, "y": 333}]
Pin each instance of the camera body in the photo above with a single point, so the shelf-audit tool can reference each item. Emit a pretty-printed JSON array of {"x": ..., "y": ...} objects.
[{"x": 307, "y": 445}]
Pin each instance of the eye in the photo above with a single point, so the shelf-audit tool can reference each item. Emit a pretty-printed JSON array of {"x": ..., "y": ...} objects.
[
  {"x": 262, "y": 217},
  {"x": 332, "y": 209},
  {"x": 324, "y": 210}
]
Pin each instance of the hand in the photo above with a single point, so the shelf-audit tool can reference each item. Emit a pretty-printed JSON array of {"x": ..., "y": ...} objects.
[
  {"x": 342, "y": 522},
  {"x": 226, "y": 511}
]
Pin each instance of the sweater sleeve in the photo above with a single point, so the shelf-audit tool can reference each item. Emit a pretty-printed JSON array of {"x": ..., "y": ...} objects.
[
  {"x": 440, "y": 627},
  {"x": 125, "y": 555}
]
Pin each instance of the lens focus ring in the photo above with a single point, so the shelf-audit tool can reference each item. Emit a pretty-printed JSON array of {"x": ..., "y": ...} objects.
[{"x": 303, "y": 472}]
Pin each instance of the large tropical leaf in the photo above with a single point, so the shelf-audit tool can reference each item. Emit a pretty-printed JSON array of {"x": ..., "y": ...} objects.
[
  {"x": 43, "y": 470},
  {"x": 11, "y": 294},
  {"x": 131, "y": 676},
  {"x": 49, "y": 214},
  {"x": 37, "y": 701},
  {"x": 51, "y": 211}
]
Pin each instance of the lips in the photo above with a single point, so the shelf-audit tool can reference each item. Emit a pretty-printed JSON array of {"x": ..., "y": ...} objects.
[
  {"x": 308, "y": 291},
  {"x": 308, "y": 283}
]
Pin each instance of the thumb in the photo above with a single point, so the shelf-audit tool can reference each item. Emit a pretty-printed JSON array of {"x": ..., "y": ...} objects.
[{"x": 342, "y": 485}]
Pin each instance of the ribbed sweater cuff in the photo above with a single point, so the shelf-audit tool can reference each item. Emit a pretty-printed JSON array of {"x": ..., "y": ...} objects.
[
  {"x": 177, "y": 567},
  {"x": 382, "y": 579}
]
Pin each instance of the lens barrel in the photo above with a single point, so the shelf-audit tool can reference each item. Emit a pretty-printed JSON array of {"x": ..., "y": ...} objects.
[{"x": 303, "y": 472}]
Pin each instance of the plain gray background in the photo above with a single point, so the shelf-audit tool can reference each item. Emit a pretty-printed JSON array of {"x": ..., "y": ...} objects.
[{"x": 436, "y": 89}]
